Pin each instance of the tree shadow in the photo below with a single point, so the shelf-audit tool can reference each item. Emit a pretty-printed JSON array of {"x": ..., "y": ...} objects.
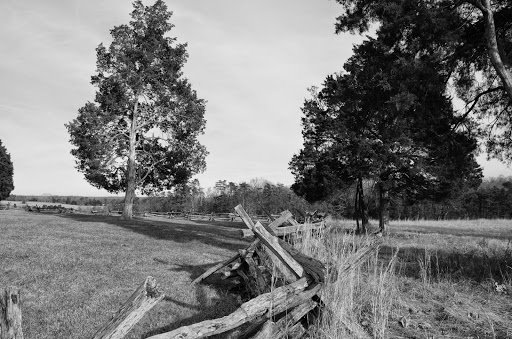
[
  {"x": 221, "y": 234},
  {"x": 487, "y": 233},
  {"x": 225, "y": 235},
  {"x": 476, "y": 265},
  {"x": 207, "y": 308}
]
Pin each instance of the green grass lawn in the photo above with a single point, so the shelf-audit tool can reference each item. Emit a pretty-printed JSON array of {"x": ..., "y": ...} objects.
[{"x": 75, "y": 271}]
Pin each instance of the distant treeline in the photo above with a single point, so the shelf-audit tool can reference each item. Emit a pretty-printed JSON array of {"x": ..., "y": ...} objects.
[
  {"x": 493, "y": 199},
  {"x": 69, "y": 200}
]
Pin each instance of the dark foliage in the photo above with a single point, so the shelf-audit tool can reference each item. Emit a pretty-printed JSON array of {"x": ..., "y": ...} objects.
[
  {"x": 6, "y": 173},
  {"x": 141, "y": 132}
]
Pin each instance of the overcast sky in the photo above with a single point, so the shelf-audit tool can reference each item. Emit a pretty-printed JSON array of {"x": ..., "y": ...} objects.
[{"x": 251, "y": 60}]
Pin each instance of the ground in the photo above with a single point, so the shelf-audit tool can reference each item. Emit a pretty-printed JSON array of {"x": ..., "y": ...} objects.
[{"x": 76, "y": 270}]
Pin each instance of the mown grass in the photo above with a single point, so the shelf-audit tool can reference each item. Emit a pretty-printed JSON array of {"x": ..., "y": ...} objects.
[
  {"x": 428, "y": 280},
  {"x": 75, "y": 271}
]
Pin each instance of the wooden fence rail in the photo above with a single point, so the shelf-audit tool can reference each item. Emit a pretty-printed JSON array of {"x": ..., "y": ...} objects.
[
  {"x": 274, "y": 309},
  {"x": 10, "y": 314}
]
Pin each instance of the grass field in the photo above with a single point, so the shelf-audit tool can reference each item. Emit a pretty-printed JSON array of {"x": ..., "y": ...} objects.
[{"x": 74, "y": 271}]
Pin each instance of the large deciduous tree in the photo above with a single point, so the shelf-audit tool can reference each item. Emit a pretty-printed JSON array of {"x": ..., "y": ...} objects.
[
  {"x": 6, "y": 173},
  {"x": 473, "y": 39},
  {"x": 140, "y": 133},
  {"x": 386, "y": 119}
]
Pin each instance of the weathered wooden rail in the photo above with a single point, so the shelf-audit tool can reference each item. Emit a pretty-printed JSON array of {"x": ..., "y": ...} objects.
[
  {"x": 206, "y": 216},
  {"x": 10, "y": 314},
  {"x": 279, "y": 305}
]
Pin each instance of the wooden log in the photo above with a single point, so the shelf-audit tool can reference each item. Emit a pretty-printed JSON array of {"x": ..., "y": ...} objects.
[
  {"x": 259, "y": 284},
  {"x": 294, "y": 301},
  {"x": 224, "y": 263},
  {"x": 280, "y": 231},
  {"x": 244, "y": 216},
  {"x": 288, "y": 273},
  {"x": 216, "y": 268},
  {"x": 249, "y": 311},
  {"x": 246, "y": 233},
  {"x": 10, "y": 314},
  {"x": 293, "y": 222},
  {"x": 297, "y": 299},
  {"x": 248, "y": 329},
  {"x": 284, "y": 326},
  {"x": 141, "y": 301},
  {"x": 272, "y": 243},
  {"x": 281, "y": 220},
  {"x": 314, "y": 268}
]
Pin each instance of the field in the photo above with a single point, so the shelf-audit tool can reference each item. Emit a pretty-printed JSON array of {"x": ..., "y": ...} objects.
[
  {"x": 20, "y": 205},
  {"x": 446, "y": 280}
]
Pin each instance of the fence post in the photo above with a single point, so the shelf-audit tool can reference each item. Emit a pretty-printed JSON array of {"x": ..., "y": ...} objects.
[
  {"x": 141, "y": 301},
  {"x": 10, "y": 314}
]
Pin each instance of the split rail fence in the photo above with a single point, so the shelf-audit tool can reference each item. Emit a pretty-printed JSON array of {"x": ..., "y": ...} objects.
[{"x": 282, "y": 286}]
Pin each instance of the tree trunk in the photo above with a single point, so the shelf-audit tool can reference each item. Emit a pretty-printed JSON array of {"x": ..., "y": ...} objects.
[
  {"x": 362, "y": 206},
  {"x": 383, "y": 206},
  {"x": 357, "y": 209},
  {"x": 131, "y": 177},
  {"x": 503, "y": 70}
]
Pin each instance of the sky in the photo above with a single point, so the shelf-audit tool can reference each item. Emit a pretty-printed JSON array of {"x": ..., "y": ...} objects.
[{"x": 252, "y": 61}]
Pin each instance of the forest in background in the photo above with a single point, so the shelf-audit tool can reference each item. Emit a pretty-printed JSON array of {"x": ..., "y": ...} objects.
[{"x": 492, "y": 199}]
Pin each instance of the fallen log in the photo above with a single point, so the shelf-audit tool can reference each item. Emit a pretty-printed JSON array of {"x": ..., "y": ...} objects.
[
  {"x": 226, "y": 262},
  {"x": 10, "y": 314},
  {"x": 216, "y": 268},
  {"x": 251, "y": 310},
  {"x": 283, "y": 326},
  {"x": 294, "y": 301},
  {"x": 141, "y": 301}
]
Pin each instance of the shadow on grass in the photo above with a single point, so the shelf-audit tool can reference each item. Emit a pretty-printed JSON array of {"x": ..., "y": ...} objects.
[
  {"x": 486, "y": 233},
  {"x": 224, "y": 235},
  {"x": 477, "y": 265},
  {"x": 207, "y": 308}
]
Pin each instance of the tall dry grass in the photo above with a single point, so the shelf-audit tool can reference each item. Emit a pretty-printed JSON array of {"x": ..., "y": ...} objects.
[
  {"x": 433, "y": 278},
  {"x": 359, "y": 290}
]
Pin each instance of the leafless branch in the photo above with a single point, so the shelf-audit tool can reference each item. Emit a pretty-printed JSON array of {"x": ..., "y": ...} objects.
[{"x": 474, "y": 103}]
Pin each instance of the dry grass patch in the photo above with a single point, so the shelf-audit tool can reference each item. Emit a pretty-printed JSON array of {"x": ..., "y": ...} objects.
[{"x": 429, "y": 280}]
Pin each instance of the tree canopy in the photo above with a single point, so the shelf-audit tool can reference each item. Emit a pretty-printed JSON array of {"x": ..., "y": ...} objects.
[
  {"x": 386, "y": 118},
  {"x": 473, "y": 42},
  {"x": 140, "y": 133},
  {"x": 6, "y": 173}
]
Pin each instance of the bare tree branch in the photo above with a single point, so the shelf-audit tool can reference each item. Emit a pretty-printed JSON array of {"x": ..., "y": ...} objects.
[{"x": 475, "y": 101}]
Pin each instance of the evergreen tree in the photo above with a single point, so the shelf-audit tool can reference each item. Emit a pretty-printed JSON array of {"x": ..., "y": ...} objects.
[
  {"x": 473, "y": 44},
  {"x": 386, "y": 119},
  {"x": 141, "y": 131},
  {"x": 6, "y": 173}
]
